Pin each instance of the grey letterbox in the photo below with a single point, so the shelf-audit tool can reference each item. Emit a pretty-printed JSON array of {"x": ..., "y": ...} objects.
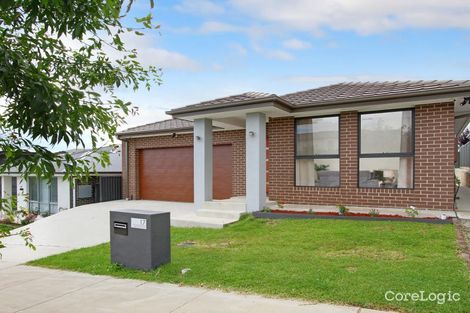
[{"x": 140, "y": 239}]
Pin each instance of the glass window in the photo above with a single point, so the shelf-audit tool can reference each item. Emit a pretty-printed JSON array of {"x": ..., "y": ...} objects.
[
  {"x": 317, "y": 136},
  {"x": 386, "y": 149},
  {"x": 53, "y": 187},
  {"x": 317, "y": 152},
  {"x": 33, "y": 189},
  {"x": 319, "y": 172},
  {"x": 42, "y": 195},
  {"x": 389, "y": 132},
  {"x": 386, "y": 172}
]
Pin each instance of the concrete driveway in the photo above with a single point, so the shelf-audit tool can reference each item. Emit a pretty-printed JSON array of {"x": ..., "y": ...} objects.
[{"x": 88, "y": 225}]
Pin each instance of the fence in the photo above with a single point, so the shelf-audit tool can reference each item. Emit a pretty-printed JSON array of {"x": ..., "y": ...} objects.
[{"x": 464, "y": 156}]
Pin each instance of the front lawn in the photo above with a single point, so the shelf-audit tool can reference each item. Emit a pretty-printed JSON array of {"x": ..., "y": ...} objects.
[{"x": 349, "y": 262}]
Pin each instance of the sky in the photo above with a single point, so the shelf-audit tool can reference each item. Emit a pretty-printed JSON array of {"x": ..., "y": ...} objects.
[{"x": 209, "y": 49}]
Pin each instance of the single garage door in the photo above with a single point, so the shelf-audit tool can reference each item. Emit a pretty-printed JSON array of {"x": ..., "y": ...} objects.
[{"x": 167, "y": 173}]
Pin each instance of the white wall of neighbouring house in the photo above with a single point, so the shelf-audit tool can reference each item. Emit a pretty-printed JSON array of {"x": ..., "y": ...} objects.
[
  {"x": 63, "y": 193},
  {"x": 22, "y": 193}
]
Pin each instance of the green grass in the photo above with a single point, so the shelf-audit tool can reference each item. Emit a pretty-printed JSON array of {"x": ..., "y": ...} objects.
[
  {"x": 348, "y": 262},
  {"x": 6, "y": 227}
]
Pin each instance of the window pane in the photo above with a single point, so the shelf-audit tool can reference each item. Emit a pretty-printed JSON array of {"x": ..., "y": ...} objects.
[
  {"x": 44, "y": 196},
  {"x": 14, "y": 188},
  {"x": 386, "y": 172},
  {"x": 317, "y": 136},
  {"x": 34, "y": 206},
  {"x": 319, "y": 172},
  {"x": 33, "y": 189},
  {"x": 389, "y": 132},
  {"x": 54, "y": 190}
]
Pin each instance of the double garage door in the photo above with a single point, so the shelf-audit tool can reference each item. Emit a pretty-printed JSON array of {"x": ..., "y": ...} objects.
[{"x": 167, "y": 173}]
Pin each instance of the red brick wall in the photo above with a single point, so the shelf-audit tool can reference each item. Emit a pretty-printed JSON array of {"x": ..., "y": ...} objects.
[
  {"x": 434, "y": 165},
  {"x": 234, "y": 137}
]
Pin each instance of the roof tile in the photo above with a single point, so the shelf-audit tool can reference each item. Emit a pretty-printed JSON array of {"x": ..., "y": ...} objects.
[
  {"x": 247, "y": 96},
  {"x": 160, "y": 126},
  {"x": 359, "y": 90}
]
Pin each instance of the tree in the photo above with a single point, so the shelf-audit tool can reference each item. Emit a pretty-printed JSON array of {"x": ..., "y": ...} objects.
[{"x": 57, "y": 94}]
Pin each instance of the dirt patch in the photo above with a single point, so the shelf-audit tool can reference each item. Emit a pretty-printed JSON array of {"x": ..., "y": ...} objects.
[
  {"x": 196, "y": 244},
  {"x": 367, "y": 253},
  {"x": 272, "y": 222},
  {"x": 351, "y": 269}
]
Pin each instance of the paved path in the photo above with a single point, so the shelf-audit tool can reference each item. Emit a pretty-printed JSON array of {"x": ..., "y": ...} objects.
[
  {"x": 30, "y": 289},
  {"x": 88, "y": 225}
]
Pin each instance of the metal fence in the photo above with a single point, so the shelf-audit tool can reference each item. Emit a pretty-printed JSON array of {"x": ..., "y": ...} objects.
[
  {"x": 464, "y": 156},
  {"x": 110, "y": 188}
]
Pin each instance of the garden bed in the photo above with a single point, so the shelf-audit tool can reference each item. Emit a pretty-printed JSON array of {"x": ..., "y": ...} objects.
[{"x": 282, "y": 214}]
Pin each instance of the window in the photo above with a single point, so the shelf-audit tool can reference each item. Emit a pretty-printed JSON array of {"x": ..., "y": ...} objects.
[
  {"x": 85, "y": 191},
  {"x": 42, "y": 195},
  {"x": 317, "y": 152},
  {"x": 386, "y": 150}
]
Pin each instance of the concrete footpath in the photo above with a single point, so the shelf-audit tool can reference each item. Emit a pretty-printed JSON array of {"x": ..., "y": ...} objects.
[{"x": 32, "y": 289}]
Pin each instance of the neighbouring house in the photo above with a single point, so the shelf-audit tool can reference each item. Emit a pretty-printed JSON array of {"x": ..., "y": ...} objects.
[
  {"x": 381, "y": 145},
  {"x": 40, "y": 196}
]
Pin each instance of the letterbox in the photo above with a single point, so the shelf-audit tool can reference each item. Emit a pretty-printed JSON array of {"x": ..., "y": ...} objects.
[{"x": 140, "y": 239}]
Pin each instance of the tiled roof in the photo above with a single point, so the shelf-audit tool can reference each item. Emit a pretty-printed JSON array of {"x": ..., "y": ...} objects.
[
  {"x": 327, "y": 95},
  {"x": 247, "y": 96},
  {"x": 349, "y": 91},
  {"x": 161, "y": 126},
  {"x": 336, "y": 94}
]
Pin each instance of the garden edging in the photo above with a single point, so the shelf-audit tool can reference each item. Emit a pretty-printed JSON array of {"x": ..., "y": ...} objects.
[{"x": 270, "y": 215}]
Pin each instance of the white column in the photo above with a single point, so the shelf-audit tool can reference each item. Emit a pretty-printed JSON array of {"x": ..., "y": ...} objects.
[
  {"x": 23, "y": 192},
  {"x": 255, "y": 161},
  {"x": 63, "y": 193},
  {"x": 74, "y": 193},
  {"x": 202, "y": 162}
]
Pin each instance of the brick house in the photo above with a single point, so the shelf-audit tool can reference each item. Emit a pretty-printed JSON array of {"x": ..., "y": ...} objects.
[{"x": 381, "y": 145}]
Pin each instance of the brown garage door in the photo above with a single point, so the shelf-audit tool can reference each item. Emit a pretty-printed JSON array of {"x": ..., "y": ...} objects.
[{"x": 167, "y": 173}]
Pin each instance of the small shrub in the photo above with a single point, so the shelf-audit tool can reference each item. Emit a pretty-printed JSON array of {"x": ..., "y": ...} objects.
[
  {"x": 412, "y": 212},
  {"x": 244, "y": 216},
  {"x": 6, "y": 220},
  {"x": 266, "y": 209},
  {"x": 374, "y": 212},
  {"x": 29, "y": 218},
  {"x": 342, "y": 209}
]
